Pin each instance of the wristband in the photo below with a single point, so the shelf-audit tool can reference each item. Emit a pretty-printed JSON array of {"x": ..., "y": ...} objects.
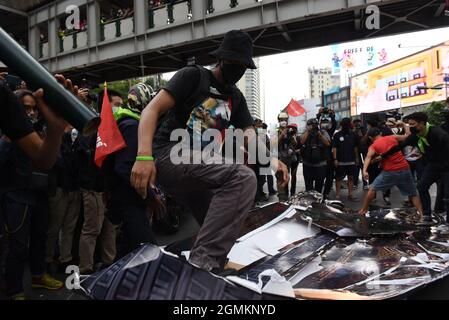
[{"x": 144, "y": 158}]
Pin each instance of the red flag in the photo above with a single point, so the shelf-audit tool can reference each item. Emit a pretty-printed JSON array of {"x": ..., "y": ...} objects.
[
  {"x": 109, "y": 138},
  {"x": 294, "y": 109}
]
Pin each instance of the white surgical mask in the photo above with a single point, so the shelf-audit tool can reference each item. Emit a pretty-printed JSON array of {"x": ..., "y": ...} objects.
[
  {"x": 115, "y": 109},
  {"x": 283, "y": 124}
]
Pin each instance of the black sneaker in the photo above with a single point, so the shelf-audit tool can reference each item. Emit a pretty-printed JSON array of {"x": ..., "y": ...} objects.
[{"x": 427, "y": 219}]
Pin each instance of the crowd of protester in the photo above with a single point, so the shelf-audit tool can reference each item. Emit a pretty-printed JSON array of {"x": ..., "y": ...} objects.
[
  {"x": 74, "y": 213},
  {"x": 405, "y": 152}
]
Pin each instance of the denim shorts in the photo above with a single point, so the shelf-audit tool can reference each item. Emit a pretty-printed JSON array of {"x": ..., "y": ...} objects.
[{"x": 402, "y": 179}]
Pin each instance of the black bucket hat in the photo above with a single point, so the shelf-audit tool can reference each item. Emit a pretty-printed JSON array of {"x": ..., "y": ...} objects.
[{"x": 236, "y": 46}]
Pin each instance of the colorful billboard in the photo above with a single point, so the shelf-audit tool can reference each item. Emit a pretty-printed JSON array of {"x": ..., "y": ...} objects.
[
  {"x": 353, "y": 60},
  {"x": 402, "y": 83}
]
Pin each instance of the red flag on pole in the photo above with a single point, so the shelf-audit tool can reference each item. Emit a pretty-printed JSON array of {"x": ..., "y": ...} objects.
[
  {"x": 109, "y": 138},
  {"x": 294, "y": 109}
]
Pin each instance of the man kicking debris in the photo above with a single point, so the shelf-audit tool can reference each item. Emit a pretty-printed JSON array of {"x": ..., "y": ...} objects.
[{"x": 395, "y": 170}]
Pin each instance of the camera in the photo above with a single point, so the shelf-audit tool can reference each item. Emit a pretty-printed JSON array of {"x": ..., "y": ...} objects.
[{"x": 13, "y": 82}]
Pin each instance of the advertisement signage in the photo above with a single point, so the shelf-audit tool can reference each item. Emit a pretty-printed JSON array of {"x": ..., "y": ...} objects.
[{"x": 404, "y": 83}]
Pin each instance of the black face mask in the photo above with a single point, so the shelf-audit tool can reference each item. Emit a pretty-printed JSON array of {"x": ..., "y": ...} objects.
[
  {"x": 414, "y": 130},
  {"x": 232, "y": 73}
]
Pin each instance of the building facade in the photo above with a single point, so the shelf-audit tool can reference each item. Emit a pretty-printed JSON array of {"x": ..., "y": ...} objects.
[
  {"x": 339, "y": 100},
  {"x": 250, "y": 87},
  {"x": 321, "y": 80}
]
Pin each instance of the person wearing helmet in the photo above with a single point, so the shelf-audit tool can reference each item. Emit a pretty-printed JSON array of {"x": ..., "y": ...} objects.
[{"x": 125, "y": 206}]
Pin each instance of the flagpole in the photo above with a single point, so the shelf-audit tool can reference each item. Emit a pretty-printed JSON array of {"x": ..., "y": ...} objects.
[{"x": 36, "y": 76}]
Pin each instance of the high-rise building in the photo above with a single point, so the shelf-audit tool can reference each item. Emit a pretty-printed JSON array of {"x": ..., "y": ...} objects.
[
  {"x": 321, "y": 80},
  {"x": 250, "y": 87}
]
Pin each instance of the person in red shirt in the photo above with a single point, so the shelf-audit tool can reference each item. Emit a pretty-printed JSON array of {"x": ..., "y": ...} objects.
[{"x": 395, "y": 170}]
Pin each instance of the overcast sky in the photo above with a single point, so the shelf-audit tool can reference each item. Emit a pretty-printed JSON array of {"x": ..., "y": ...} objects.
[{"x": 285, "y": 76}]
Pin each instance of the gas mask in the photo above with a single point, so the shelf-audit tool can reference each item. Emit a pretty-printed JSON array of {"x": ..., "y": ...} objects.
[{"x": 232, "y": 73}]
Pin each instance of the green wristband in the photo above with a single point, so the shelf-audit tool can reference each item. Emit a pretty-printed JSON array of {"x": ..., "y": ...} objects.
[{"x": 145, "y": 158}]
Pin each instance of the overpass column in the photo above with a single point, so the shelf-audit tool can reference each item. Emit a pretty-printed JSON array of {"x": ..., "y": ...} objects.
[
  {"x": 199, "y": 8},
  {"x": 93, "y": 23},
  {"x": 53, "y": 25},
  {"x": 140, "y": 16},
  {"x": 33, "y": 37}
]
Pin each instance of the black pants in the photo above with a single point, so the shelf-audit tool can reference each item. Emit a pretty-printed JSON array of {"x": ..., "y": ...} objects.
[
  {"x": 330, "y": 175},
  {"x": 432, "y": 174},
  {"x": 136, "y": 227},
  {"x": 439, "y": 201},
  {"x": 314, "y": 177},
  {"x": 26, "y": 227},
  {"x": 417, "y": 168},
  {"x": 293, "y": 173},
  {"x": 270, "y": 183}
]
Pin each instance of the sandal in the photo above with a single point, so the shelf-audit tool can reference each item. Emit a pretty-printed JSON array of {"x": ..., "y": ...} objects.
[{"x": 352, "y": 199}]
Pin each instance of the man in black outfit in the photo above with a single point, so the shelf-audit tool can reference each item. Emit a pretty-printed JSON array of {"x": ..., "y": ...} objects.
[
  {"x": 195, "y": 100},
  {"x": 433, "y": 142},
  {"x": 345, "y": 152},
  {"x": 316, "y": 144},
  {"x": 326, "y": 117}
]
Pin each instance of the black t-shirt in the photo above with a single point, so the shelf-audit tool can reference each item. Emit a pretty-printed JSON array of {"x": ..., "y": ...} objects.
[
  {"x": 219, "y": 108},
  {"x": 345, "y": 143},
  {"x": 14, "y": 122}
]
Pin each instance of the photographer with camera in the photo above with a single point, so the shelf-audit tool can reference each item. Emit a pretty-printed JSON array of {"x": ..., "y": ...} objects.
[
  {"x": 288, "y": 144},
  {"x": 326, "y": 118},
  {"x": 315, "y": 150}
]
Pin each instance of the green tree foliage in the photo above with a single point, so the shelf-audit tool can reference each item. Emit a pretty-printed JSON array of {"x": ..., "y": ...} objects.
[
  {"x": 434, "y": 112},
  {"x": 123, "y": 86}
]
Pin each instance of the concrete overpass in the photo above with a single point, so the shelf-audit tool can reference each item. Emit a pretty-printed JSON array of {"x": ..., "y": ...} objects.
[{"x": 162, "y": 39}]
